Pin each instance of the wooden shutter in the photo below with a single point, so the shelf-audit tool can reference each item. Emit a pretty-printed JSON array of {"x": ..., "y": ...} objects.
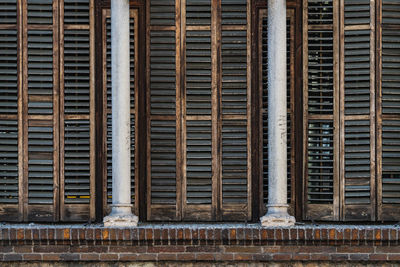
[
  {"x": 76, "y": 111},
  {"x": 41, "y": 121},
  {"x": 388, "y": 111},
  {"x": 107, "y": 118},
  {"x": 357, "y": 118},
  {"x": 10, "y": 130},
  {"x": 321, "y": 110},
  {"x": 263, "y": 85}
]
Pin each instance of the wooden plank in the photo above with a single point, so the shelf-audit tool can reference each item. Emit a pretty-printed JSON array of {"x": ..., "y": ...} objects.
[
  {"x": 24, "y": 108},
  {"x": 249, "y": 114},
  {"x": 135, "y": 15},
  {"x": 182, "y": 103},
  {"x": 179, "y": 138},
  {"x": 340, "y": 88}
]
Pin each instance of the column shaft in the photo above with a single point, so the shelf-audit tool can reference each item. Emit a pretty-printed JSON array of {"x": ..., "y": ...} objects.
[
  {"x": 121, "y": 214},
  {"x": 277, "y": 117}
]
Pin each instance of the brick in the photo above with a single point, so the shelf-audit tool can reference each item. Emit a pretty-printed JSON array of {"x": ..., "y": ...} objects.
[
  {"x": 319, "y": 257},
  {"x": 6, "y": 249},
  {"x": 89, "y": 257},
  {"x": 339, "y": 257},
  {"x": 172, "y": 236},
  {"x": 394, "y": 257},
  {"x": 164, "y": 237},
  {"x": 282, "y": 257},
  {"x": 270, "y": 234},
  {"x": 393, "y": 234},
  {"x": 51, "y": 249},
  {"x": 13, "y": 234},
  {"x": 378, "y": 257},
  {"x": 147, "y": 257},
  {"x": 32, "y": 257},
  {"x": 105, "y": 234},
  {"x": 232, "y": 234},
  {"x": 69, "y": 256},
  {"x": 301, "y": 256},
  {"x": 51, "y": 257},
  {"x": 43, "y": 234},
  {"x": 242, "y": 257},
  {"x": 89, "y": 234},
  {"x": 263, "y": 234},
  {"x": 317, "y": 249},
  {"x": 285, "y": 234},
  {"x": 387, "y": 249},
  {"x": 74, "y": 234},
  {"x": 128, "y": 257},
  {"x": 357, "y": 249},
  {"x": 167, "y": 257},
  {"x": 132, "y": 249},
  {"x": 293, "y": 234},
  {"x": 202, "y": 249},
  {"x": 108, "y": 257},
  {"x": 339, "y": 235},
  {"x": 164, "y": 249},
  {"x": 97, "y": 234},
  {"x": 243, "y": 249},
  {"x": 354, "y": 234},
  {"x": 12, "y": 257},
  {"x": 205, "y": 257},
  {"x": 272, "y": 249},
  {"x": 377, "y": 234},
  {"x": 317, "y": 234},
  {"x": 262, "y": 257},
  {"x": 309, "y": 234},
  {"x": 385, "y": 234},
  {"x": 224, "y": 257},
  {"x": 278, "y": 234},
  {"x": 186, "y": 257},
  {"x": 359, "y": 257},
  {"x": 149, "y": 234},
  {"x": 300, "y": 233},
  {"x": 20, "y": 234},
  {"x": 23, "y": 249}
]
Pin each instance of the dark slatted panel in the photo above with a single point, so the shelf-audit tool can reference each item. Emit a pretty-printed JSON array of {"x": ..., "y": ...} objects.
[
  {"x": 163, "y": 162},
  {"x": 198, "y": 73},
  {"x": 391, "y": 12},
  {"x": 40, "y": 72},
  {"x": 357, "y": 72},
  {"x": 391, "y": 71},
  {"x": 8, "y": 72},
  {"x": 162, "y": 72},
  {"x": 77, "y": 161},
  {"x": 76, "y": 11},
  {"x": 234, "y": 162},
  {"x": 40, "y": 11},
  {"x": 8, "y": 162},
  {"x": 234, "y": 12},
  {"x": 198, "y": 162},
  {"x": 391, "y": 162},
  {"x": 356, "y": 12},
  {"x": 109, "y": 158},
  {"x": 76, "y": 71},
  {"x": 357, "y": 162},
  {"x": 162, "y": 12},
  {"x": 40, "y": 162},
  {"x": 8, "y": 11},
  {"x": 320, "y": 72},
  {"x": 109, "y": 104},
  {"x": 234, "y": 72},
  {"x": 320, "y": 11},
  {"x": 198, "y": 12},
  {"x": 265, "y": 109},
  {"x": 320, "y": 162}
]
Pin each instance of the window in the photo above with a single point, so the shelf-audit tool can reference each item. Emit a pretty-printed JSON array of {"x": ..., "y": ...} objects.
[
  {"x": 351, "y": 96},
  {"x": 46, "y": 111}
]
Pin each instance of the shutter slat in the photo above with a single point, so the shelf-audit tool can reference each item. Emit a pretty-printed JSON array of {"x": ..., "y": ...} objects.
[
  {"x": 8, "y": 72},
  {"x": 8, "y": 162},
  {"x": 40, "y": 12},
  {"x": 163, "y": 162},
  {"x": 76, "y": 72},
  {"x": 356, "y": 12},
  {"x": 162, "y": 12},
  {"x": 320, "y": 11},
  {"x": 198, "y": 12},
  {"x": 8, "y": 11},
  {"x": 40, "y": 71},
  {"x": 162, "y": 72},
  {"x": 234, "y": 12},
  {"x": 391, "y": 12},
  {"x": 76, "y": 11},
  {"x": 77, "y": 161},
  {"x": 198, "y": 162}
]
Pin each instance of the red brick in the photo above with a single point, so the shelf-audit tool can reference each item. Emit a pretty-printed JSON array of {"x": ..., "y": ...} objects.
[
  {"x": 205, "y": 257},
  {"x": 74, "y": 234},
  {"x": 132, "y": 249},
  {"x": 243, "y": 257},
  {"x": 386, "y": 249},
  {"x": 262, "y": 257},
  {"x": 317, "y": 234},
  {"x": 6, "y": 249},
  {"x": 163, "y": 249},
  {"x": 232, "y": 234},
  {"x": 271, "y": 249},
  {"x": 128, "y": 257},
  {"x": 108, "y": 257},
  {"x": 293, "y": 234},
  {"x": 243, "y": 249},
  {"x": 282, "y": 257},
  {"x": 270, "y": 234},
  {"x": 224, "y": 257},
  {"x": 127, "y": 234},
  {"x": 285, "y": 234},
  {"x": 147, "y": 257},
  {"x": 317, "y": 249},
  {"x": 167, "y": 257},
  {"x": 23, "y": 249},
  {"x": 378, "y": 257},
  {"x": 263, "y": 234},
  {"x": 324, "y": 234},
  {"x": 377, "y": 234},
  {"x": 51, "y": 249},
  {"x": 394, "y": 257},
  {"x": 97, "y": 234},
  {"x": 186, "y": 256},
  {"x": 202, "y": 249},
  {"x": 301, "y": 256},
  {"x": 278, "y": 234},
  {"x": 149, "y": 234},
  {"x": 357, "y": 249},
  {"x": 319, "y": 257},
  {"x": 385, "y": 234},
  {"x": 51, "y": 257},
  {"x": 89, "y": 257},
  {"x": 300, "y": 233},
  {"x": 20, "y": 234},
  {"x": 332, "y": 234},
  {"x": 32, "y": 257}
]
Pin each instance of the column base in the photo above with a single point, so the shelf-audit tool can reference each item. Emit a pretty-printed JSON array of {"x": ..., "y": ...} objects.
[
  {"x": 277, "y": 216},
  {"x": 121, "y": 216}
]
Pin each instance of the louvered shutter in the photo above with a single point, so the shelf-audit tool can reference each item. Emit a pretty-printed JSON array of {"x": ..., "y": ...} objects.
[
  {"x": 263, "y": 44},
  {"x": 10, "y": 194},
  {"x": 108, "y": 107},
  {"x": 163, "y": 112},
  {"x": 388, "y": 148},
  {"x": 320, "y": 82},
  {"x": 41, "y": 117},
  {"x": 77, "y": 113},
  {"x": 197, "y": 124},
  {"x": 235, "y": 125},
  {"x": 357, "y": 102}
]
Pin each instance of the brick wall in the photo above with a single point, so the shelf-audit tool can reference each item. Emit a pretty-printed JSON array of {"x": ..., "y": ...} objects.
[{"x": 211, "y": 243}]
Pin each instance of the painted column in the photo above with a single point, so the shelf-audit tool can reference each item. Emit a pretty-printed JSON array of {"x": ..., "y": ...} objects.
[
  {"x": 121, "y": 214},
  {"x": 277, "y": 214}
]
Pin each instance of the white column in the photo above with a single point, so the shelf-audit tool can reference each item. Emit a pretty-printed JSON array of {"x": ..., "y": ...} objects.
[
  {"x": 277, "y": 214},
  {"x": 121, "y": 214}
]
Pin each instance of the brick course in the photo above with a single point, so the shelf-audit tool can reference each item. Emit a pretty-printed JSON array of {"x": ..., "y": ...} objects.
[{"x": 211, "y": 243}]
